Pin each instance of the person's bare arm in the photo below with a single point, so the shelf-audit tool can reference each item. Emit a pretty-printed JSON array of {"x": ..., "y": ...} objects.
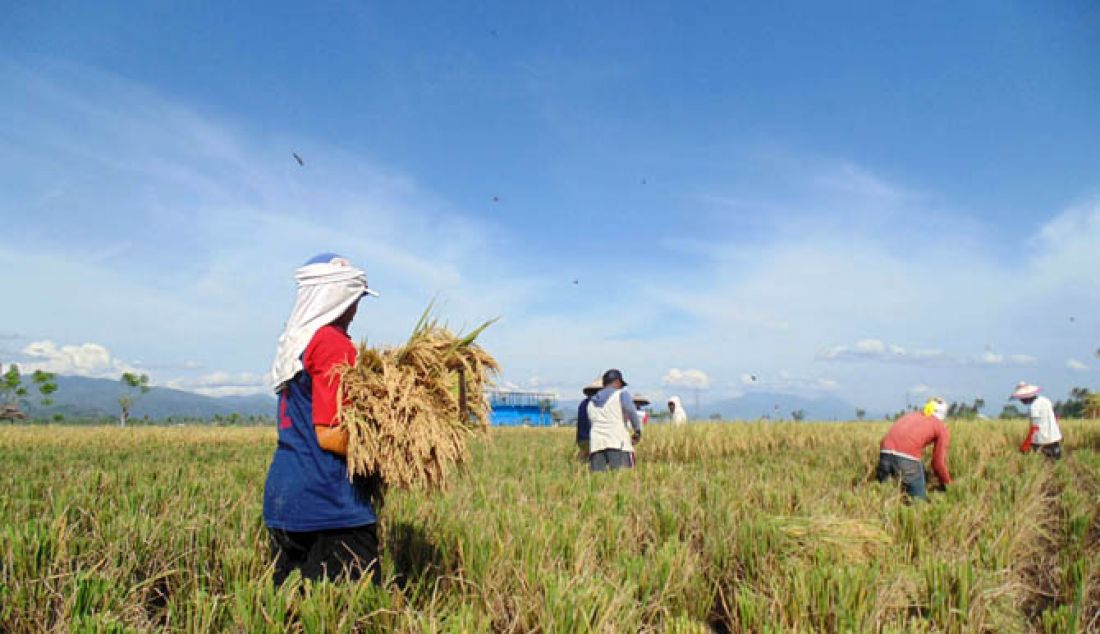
[{"x": 334, "y": 439}]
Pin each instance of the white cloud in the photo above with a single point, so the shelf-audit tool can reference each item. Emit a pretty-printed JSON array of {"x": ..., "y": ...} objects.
[
  {"x": 96, "y": 361},
  {"x": 1077, "y": 366},
  {"x": 689, "y": 378},
  {"x": 89, "y": 359},
  {"x": 222, "y": 384}
]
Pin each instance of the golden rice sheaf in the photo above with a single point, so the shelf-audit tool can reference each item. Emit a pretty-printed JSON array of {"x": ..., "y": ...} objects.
[{"x": 401, "y": 406}]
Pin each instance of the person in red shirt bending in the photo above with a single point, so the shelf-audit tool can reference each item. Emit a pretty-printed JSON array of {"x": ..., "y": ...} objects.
[{"x": 901, "y": 449}]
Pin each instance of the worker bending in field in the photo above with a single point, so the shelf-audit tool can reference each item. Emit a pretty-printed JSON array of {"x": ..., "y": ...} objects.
[
  {"x": 611, "y": 446},
  {"x": 321, "y": 523},
  {"x": 901, "y": 449},
  {"x": 1044, "y": 434},
  {"x": 584, "y": 425}
]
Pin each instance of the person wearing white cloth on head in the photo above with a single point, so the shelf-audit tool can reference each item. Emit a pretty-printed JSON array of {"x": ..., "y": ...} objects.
[
  {"x": 320, "y": 523},
  {"x": 676, "y": 410},
  {"x": 1044, "y": 434}
]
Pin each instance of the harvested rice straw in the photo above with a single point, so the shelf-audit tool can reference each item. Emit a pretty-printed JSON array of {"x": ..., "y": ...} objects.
[
  {"x": 852, "y": 538},
  {"x": 410, "y": 410}
]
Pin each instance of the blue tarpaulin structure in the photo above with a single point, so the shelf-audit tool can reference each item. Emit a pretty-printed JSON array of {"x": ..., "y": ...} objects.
[{"x": 517, "y": 409}]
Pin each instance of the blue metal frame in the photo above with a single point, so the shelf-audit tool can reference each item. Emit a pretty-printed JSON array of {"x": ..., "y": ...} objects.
[{"x": 517, "y": 409}]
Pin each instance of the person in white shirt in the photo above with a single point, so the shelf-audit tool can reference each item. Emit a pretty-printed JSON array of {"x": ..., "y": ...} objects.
[
  {"x": 610, "y": 444},
  {"x": 1044, "y": 435},
  {"x": 640, "y": 404}
]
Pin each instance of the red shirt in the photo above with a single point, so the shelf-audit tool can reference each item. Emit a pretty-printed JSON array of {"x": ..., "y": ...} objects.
[
  {"x": 910, "y": 434},
  {"x": 329, "y": 348}
]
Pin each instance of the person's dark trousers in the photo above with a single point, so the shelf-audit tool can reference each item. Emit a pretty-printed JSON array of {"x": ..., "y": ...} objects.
[
  {"x": 1052, "y": 451},
  {"x": 909, "y": 471},
  {"x": 332, "y": 554},
  {"x": 610, "y": 460}
]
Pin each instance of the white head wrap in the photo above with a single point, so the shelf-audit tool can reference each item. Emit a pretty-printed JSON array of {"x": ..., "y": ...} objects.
[
  {"x": 679, "y": 417},
  {"x": 325, "y": 291}
]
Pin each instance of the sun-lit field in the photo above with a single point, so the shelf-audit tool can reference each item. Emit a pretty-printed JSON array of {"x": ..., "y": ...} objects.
[{"x": 723, "y": 527}]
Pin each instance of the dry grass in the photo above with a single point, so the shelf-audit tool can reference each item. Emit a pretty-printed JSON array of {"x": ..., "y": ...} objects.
[{"x": 410, "y": 410}]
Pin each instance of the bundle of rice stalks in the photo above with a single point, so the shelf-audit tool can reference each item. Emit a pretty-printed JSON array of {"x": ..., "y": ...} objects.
[
  {"x": 410, "y": 410},
  {"x": 853, "y": 539}
]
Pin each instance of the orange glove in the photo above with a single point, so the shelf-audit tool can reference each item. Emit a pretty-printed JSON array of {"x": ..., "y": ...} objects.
[
  {"x": 334, "y": 439},
  {"x": 1026, "y": 447}
]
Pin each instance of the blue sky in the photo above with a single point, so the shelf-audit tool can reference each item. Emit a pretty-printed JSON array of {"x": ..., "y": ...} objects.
[{"x": 864, "y": 200}]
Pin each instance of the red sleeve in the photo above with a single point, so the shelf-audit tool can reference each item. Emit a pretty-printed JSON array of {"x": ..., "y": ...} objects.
[
  {"x": 939, "y": 456},
  {"x": 329, "y": 348}
]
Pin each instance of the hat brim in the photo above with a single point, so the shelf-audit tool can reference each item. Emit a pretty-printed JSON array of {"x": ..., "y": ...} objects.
[
  {"x": 371, "y": 292},
  {"x": 1025, "y": 394}
]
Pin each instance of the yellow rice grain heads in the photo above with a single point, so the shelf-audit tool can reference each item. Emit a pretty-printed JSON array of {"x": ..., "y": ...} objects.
[{"x": 410, "y": 410}]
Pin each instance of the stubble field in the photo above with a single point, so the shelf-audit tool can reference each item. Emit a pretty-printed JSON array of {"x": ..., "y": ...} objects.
[{"x": 722, "y": 527}]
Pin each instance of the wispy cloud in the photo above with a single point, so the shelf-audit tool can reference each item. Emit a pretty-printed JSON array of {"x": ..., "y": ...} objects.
[
  {"x": 690, "y": 378},
  {"x": 879, "y": 351},
  {"x": 223, "y": 384},
  {"x": 1077, "y": 366}
]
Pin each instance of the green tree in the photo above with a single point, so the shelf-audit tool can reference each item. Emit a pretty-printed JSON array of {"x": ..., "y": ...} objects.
[
  {"x": 135, "y": 386},
  {"x": 1092, "y": 405},
  {"x": 14, "y": 391},
  {"x": 798, "y": 415},
  {"x": 860, "y": 413},
  {"x": 1010, "y": 412},
  {"x": 11, "y": 386},
  {"x": 46, "y": 384}
]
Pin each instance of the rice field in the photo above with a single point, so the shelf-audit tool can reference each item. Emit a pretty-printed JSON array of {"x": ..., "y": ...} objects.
[{"x": 722, "y": 527}]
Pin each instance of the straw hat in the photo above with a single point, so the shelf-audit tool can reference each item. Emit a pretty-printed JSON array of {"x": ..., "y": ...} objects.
[
  {"x": 593, "y": 387},
  {"x": 1025, "y": 390},
  {"x": 640, "y": 400}
]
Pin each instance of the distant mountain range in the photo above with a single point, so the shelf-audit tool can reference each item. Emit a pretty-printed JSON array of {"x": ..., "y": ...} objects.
[
  {"x": 757, "y": 405},
  {"x": 82, "y": 397}
]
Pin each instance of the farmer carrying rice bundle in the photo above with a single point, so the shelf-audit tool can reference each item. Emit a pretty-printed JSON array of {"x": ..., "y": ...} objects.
[
  {"x": 611, "y": 446},
  {"x": 320, "y": 522},
  {"x": 901, "y": 449},
  {"x": 1044, "y": 434}
]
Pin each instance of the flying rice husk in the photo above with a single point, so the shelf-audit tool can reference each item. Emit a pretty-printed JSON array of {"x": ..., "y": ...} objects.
[{"x": 410, "y": 410}]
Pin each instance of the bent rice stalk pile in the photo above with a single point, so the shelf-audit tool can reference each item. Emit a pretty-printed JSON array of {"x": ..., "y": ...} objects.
[{"x": 403, "y": 406}]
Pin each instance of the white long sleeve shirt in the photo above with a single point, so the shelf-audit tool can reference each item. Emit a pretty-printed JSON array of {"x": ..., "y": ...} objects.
[{"x": 1041, "y": 412}]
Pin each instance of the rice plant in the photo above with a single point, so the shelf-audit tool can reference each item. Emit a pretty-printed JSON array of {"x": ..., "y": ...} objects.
[{"x": 721, "y": 528}]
